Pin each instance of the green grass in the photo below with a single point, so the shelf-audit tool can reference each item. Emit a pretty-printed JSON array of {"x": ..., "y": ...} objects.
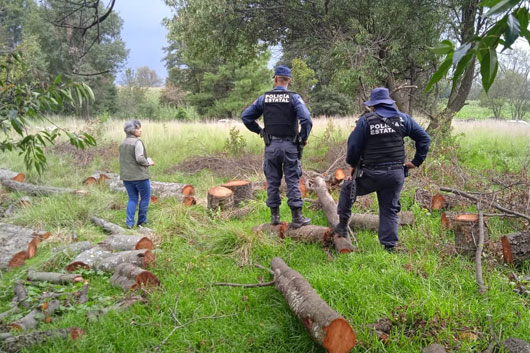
[
  {"x": 429, "y": 294},
  {"x": 473, "y": 110}
]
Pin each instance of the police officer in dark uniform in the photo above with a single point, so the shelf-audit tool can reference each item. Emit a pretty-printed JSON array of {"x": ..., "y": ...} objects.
[
  {"x": 282, "y": 111},
  {"x": 377, "y": 155}
]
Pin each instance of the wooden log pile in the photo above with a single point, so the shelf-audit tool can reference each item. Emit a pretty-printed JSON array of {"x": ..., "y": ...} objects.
[{"x": 18, "y": 244}]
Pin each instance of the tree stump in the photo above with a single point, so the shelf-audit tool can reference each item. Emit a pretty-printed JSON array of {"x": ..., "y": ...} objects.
[
  {"x": 324, "y": 325},
  {"x": 466, "y": 229},
  {"x": 516, "y": 247},
  {"x": 338, "y": 176},
  {"x": 141, "y": 258},
  {"x": 129, "y": 276},
  {"x": 242, "y": 190},
  {"x": 435, "y": 201},
  {"x": 220, "y": 197}
]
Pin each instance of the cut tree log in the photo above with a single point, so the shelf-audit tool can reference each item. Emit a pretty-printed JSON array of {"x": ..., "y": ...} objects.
[
  {"x": 99, "y": 177},
  {"x": 434, "y": 201},
  {"x": 108, "y": 226},
  {"x": 129, "y": 276},
  {"x": 242, "y": 190},
  {"x": 38, "y": 190},
  {"x": 324, "y": 325},
  {"x": 54, "y": 277},
  {"x": 123, "y": 304},
  {"x": 371, "y": 221},
  {"x": 18, "y": 244},
  {"x": 238, "y": 212},
  {"x": 337, "y": 177},
  {"x": 142, "y": 258},
  {"x": 89, "y": 258},
  {"x": 32, "y": 319},
  {"x": 121, "y": 242},
  {"x": 29, "y": 340},
  {"x": 75, "y": 248},
  {"x": 466, "y": 228},
  {"x": 516, "y": 247},
  {"x": 220, "y": 197},
  {"x": 6, "y": 174},
  {"x": 270, "y": 229},
  {"x": 328, "y": 204}
]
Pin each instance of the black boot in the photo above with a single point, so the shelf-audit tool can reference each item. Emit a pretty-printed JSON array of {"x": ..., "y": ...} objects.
[
  {"x": 298, "y": 218},
  {"x": 275, "y": 216},
  {"x": 341, "y": 229}
]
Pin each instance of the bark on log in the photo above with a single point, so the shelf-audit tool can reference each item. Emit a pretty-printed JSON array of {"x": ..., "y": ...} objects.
[
  {"x": 99, "y": 177},
  {"x": 516, "y": 247},
  {"x": 108, "y": 226},
  {"x": 87, "y": 259},
  {"x": 32, "y": 319},
  {"x": 371, "y": 221},
  {"x": 122, "y": 242},
  {"x": 76, "y": 248},
  {"x": 17, "y": 244},
  {"x": 220, "y": 197},
  {"x": 515, "y": 345},
  {"x": 323, "y": 324},
  {"x": 83, "y": 294},
  {"x": 20, "y": 294},
  {"x": 128, "y": 276},
  {"x": 28, "y": 340},
  {"x": 54, "y": 277},
  {"x": 141, "y": 258},
  {"x": 238, "y": 212},
  {"x": 183, "y": 192},
  {"x": 123, "y": 304},
  {"x": 467, "y": 228},
  {"x": 309, "y": 234},
  {"x": 242, "y": 190},
  {"x": 343, "y": 245},
  {"x": 6, "y": 174},
  {"x": 328, "y": 204},
  {"x": 270, "y": 229},
  {"x": 38, "y": 190}
]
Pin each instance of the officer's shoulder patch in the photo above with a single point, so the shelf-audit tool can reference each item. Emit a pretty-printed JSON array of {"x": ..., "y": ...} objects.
[{"x": 301, "y": 100}]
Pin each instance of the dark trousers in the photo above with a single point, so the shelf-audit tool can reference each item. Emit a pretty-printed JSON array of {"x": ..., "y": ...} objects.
[
  {"x": 387, "y": 183},
  {"x": 137, "y": 189},
  {"x": 281, "y": 159}
]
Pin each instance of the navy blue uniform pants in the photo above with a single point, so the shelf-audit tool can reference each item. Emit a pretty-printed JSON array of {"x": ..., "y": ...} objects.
[
  {"x": 281, "y": 159},
  {"x": 387, "y": 183}
]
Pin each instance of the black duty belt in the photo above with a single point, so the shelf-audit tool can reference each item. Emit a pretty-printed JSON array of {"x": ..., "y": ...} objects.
[
  {"x": 283, "y": 138},
  {"x": 384, "y": 166}
]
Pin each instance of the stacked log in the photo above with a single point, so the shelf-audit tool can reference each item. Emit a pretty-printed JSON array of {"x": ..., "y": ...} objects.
[
  {"x": 466, "y": 230},
  {"x": 129, "y": 277},
  {"x": 97, "y": 178},
  {"x": 108, "y": 226},
  {"x": 516, "y": 247},
  {"x": 6, "y": 174},
  {"x": 121, "y": 242},
  {"x": 242, "y": 190},
  {"x": 371, "y": 221},
  {"x": 220, "y": 197},
  {"x": 324, "y": 325},
  {"x": 18, "y": 244},
  {"x": 88, "y": 259},
  {"x": 142, "y": 258}
]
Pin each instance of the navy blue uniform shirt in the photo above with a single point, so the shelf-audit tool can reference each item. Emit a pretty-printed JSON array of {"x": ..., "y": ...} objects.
[
  {"x": 409, "y": 127},
  {"x": 255, "y": 110}
]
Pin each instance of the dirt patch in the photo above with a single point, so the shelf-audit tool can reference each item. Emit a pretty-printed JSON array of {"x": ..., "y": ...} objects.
[
  {"x": 83, "y": 158},
  {"x": 222, "y": 165}
]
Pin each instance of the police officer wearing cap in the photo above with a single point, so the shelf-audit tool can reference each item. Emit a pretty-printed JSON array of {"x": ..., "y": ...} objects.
[
  {"x": 375, "y": 148},
  {"x": 283, "y": 111}
]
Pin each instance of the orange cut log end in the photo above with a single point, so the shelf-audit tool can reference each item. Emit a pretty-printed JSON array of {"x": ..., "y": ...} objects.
[
  {"x": 144, "y": 243},
  {"x": 438, "y": 202},
  {"x": 189, "y": 201},
  {"x": 32, "y": 247},
  {"x": 19, "y": 177},
  {"x": 236, "y": 183},
  {"x": 90, "y": 181},
  {"x": 340, "y": 337},
  {"x": 446, "y": 222},
  {"x": 220, "y": 192},
  {"x": 188, "y": 190},
  {"x": 506, "y": 250},
  {"x": 76, "y": 332},
  {"x": 339, "y": 174},
  {"x": 153, "y": 199},
  {"x": 75, "y": 265},
  {"x": 146, "y": 278},
  {"x": 19, "y": 259},
  {"x": 303, "y": 188},
  {"x": 470, "y": 217},
  {"x": 149, "y": 259},
  {"x": 283, "y": 228}
]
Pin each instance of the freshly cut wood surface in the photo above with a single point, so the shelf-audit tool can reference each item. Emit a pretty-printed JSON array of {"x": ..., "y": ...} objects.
[
  {"x": 11, "y": 175},
  {"x": 89, "y": 258},
  {"x": 242, "y": 190},
  {"x": 220, "y": 197},
  {"x": 516, "y": 247},
  {"x": 18, "y": 244},
  {"x": 129, "y": 276},
  {"x": 324, "y": 325}
]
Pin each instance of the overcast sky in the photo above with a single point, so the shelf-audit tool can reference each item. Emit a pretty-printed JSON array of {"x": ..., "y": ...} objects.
[{"x": 143, "y": 33}]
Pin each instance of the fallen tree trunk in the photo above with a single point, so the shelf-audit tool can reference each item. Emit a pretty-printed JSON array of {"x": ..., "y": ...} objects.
[
  {"x": 89, "y": 258},
  {"x": 309, "y": 234},
  {"x": 15, "y": 344},
  {"x": 108, "y": 226},
  {"x": 323, "y": 324},
  {"x": 516, "y": 247},
  {"x": 99, "y": 177},
  {"x": 270, "y": 229},
  {"x": 76, "y": 248},
  {"x": 54, "y": 277},
  {"x": 6, "y": 174},
  {"x": 371, "y": 221},
  {"x": 18, "y": 244},
  {"x": 121, "y": 242},
  {"x": 467, "y": 232},
  {"x": 38, "y": 190},
  {"x": 220, "y": 197},
  {"x": 129, "y": 276},
  {"x": 32, "y": 319},
  {"x": 328, "y": 204},
  {"x": 141, "y": 258},
  {"x": 242, "y": 190}
]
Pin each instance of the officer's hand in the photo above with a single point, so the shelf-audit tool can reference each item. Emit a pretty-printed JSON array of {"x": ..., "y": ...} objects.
[{"x": 409, "y": 164}]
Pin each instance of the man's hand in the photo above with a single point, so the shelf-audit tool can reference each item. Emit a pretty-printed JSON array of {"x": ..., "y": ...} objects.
[
  {"x": 409, "y": 164},
  {"x": 150, "y": 161},
  {"x": 352, "y": 173}
]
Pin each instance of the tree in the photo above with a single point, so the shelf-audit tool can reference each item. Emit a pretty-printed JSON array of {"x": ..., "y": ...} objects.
[
  {"x": 146, "y": 77},
  {"x": 303, "y": 78}
]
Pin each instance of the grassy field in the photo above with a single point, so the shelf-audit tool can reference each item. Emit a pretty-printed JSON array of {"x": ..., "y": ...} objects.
[{"x": 429, "y": 293}]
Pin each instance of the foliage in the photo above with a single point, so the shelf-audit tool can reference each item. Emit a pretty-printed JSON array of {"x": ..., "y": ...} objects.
[
  {"x": 509, "y": 27},
  {"x": 328, "y": 102},
  {"x": 22, "y": 104},
  {"x": 303, "y": 79},
  {"x": 235, "y": 143}
]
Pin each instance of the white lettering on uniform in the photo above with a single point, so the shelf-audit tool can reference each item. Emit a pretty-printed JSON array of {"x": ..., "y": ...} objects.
[{"x": 276, "y": 98}]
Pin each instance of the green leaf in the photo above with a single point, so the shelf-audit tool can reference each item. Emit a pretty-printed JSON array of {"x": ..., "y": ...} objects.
[
  {"x": 488, "y": 67},
  {"x": 513, "y": 30},
  {"x": 489, "y": 3},
  {"x": 460, "y": 53},
  {"x": 522, "y": 17},
  {"x": 440, "y": 73},
  {"x": 57, "y": 80},
  {"x": 501, "y": 6},
  {"x": 444, "y": 47}
]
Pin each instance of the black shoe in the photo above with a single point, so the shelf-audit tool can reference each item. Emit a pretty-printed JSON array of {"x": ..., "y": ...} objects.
[
  {"x": 298, "y": 218},
  {"x": 275, "y": 216},
  {"x": 341, "y": 229}
]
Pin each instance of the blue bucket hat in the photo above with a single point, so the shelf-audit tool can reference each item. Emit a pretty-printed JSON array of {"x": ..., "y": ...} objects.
[
  {"x": 379, "y": 95},
  {"x": 282, "y": 70}
]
